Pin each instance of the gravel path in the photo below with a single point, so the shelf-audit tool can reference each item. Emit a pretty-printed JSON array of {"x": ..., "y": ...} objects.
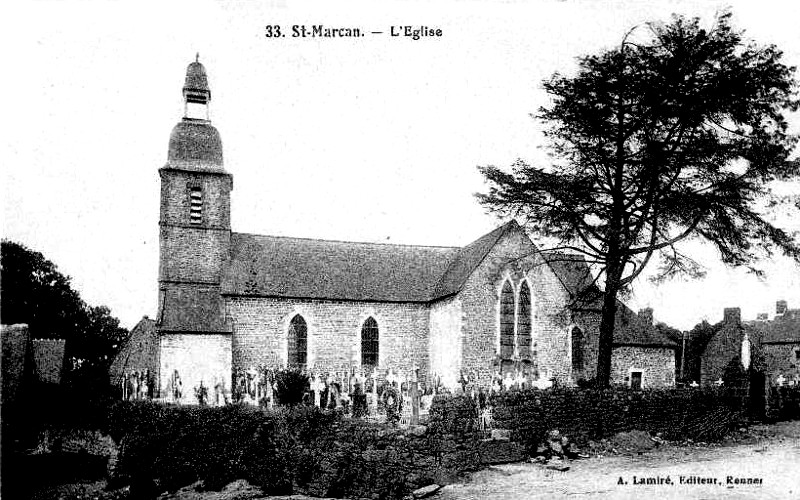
[{"x": 771, "y": 462}]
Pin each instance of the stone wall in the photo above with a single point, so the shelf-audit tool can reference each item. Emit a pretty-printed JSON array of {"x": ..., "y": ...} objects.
[
  {"x": 197, "y": 358},
  {"x": 216, "y": 188},
  {"x": 514, "y": 257},
  {"x": 48, "y": 359},
  {"x": 16, "y": 343},
  {"x": 193, "y": 254},
  {"x": 334, "y": 332},
  {"x": 657, "y": 365},
  {"x": 446, "y": 342},
  {"x": 782, "y": 359}
]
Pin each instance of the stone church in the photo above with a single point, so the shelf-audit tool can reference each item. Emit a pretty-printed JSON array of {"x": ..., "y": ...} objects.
[{"x": 231, "y": 301}]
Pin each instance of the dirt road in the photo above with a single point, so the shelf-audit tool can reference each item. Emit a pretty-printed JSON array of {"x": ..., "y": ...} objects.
[{"x": 767, "y": 467}]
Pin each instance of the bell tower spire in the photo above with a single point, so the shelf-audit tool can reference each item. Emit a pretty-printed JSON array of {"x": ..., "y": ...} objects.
[
  {"x": 196, "y": 94},
  {"x": 194, "y": 243}
]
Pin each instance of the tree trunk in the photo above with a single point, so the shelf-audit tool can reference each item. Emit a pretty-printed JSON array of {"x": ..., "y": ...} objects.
[{"x": 607, "y": 324}]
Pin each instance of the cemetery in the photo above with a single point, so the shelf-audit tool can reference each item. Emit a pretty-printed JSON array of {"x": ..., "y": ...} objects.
[{"x": 344, "y": 435}]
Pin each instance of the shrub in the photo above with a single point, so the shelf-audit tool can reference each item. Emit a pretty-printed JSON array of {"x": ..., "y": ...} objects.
[
  {"x": 453, "y": 415},
  {"x": 176, "y": 446},
  {"x": 293, "y": 449},
  {"x": 290, "y": 386}
]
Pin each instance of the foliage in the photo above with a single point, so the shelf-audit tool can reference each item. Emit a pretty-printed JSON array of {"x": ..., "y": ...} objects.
[
  {"x": 667, "y": 137},
  {"x": 453, "y": 415},
  {"x": 35, "y": 292},
  {"x": 290, "y": 386},
  {"x": 784, "y": 403},
  {"x": 292, "y": 449}
]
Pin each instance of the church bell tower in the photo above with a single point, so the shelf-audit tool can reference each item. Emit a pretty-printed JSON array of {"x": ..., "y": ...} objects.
[{"x": 194, "y": 242}]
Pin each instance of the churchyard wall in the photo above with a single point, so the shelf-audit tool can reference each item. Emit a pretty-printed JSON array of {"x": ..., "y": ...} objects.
[
  {"x": 589, "y": 415},
  {"x": 15, "y": 342}
]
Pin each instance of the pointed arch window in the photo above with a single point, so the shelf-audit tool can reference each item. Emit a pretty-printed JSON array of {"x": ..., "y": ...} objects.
[
  {"x": 297, "y": 342},
  {"x": 576, "y": 336},
  {"x": 524, "y": 322},
  {"x": 369, "y": 343},
  {"x": 507, "y": 321}
]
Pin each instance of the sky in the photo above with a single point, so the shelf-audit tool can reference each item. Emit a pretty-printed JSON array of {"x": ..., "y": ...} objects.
[{"x": 371, "y": 139}]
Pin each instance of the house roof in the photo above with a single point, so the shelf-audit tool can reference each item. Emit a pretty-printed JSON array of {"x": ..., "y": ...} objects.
[
  {"x": 274, "y": 266},
  {"x": 784, "y": 329},
  {"x": 637, "y": 333}
]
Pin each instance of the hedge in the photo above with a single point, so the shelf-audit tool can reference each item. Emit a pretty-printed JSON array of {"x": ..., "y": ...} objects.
[{"x": 299, "y": 449}]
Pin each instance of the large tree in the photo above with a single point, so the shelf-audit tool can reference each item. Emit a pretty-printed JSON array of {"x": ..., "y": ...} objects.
[
  {"x": 677, "y": 133},
  {"x": 33, "y": 291}
]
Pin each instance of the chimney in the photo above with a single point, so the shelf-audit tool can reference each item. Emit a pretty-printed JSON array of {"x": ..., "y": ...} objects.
[
  {"x": 732, "y": 315},
  {"x": 781, "y": 307},
  {"x": 646, "y": 316}
]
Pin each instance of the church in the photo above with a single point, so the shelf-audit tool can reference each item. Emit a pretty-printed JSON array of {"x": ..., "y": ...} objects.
[{"x": 229, "y": 302}]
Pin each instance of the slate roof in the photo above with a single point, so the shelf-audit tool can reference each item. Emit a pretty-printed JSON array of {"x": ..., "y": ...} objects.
[
  {"x": 637, "y": 333},
  {"x": 195, "y": 145},
  {"x": 274, "y": 266},
  {"x": 466, "y": 260},
  {"x": 784, "y": 329},
  {"x": 142, "y": 338},
  {"x": 573, "y": 272},
  {"x": 193, "y": 310}
]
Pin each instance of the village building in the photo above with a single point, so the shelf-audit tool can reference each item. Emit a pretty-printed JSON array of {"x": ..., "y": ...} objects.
[
  {"x": 780, "y": 344},
  {"x": 767, "y": 347},
  {"x": 231, "y": 302}
]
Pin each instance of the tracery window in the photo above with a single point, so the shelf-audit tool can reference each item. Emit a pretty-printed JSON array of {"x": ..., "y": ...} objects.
[
  {"x": 297, "y": 342},
  {"x": 507, "y": 321},
  {"x": 524, "y": 322},
  {"x": 369, "y": 342}
]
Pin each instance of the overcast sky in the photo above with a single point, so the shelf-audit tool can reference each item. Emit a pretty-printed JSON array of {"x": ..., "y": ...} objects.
[{"x": 371, "y": 139}]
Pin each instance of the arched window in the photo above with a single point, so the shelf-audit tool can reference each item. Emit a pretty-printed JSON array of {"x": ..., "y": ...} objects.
[
  {"x": 369, "y": 343},
  {"x": 298, "y": 342},
  {"x": 507, "y": 321},
  {"x": 524, "y": 322},
  {"x": 577, "y": 349}
]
